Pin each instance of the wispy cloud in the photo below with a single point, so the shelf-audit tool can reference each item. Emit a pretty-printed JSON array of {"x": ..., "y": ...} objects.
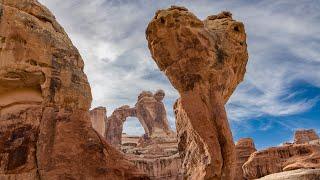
[{"x": 283, "y": 39}]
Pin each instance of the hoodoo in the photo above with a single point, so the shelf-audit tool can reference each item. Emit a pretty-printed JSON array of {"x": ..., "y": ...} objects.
[{"x": 204, "y": 61}]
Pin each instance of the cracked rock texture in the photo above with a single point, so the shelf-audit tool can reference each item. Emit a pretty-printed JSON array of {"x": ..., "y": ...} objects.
[
  {"x": 204, "y": 61},
  {"x": 45, "y": 129}
]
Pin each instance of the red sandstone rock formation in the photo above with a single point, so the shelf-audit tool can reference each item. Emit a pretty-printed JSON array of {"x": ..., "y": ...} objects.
[
  {"x": 44, "y": 103},
  {"x": 304, "y": 136},
  {"x": 158, "y": 156},
  {"x": 282, "y": 158},
  {"x": 98, "y": 119},
  {"x": 244, "y": 148},
  {"x": 300, "y": 174},
  {"x": 114, "y": 125},
  {"x": 152, "y": 113},
  {"x": 204, "y": 61}
]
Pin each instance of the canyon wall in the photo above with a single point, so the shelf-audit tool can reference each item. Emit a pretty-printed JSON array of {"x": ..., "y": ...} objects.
[
  {"x": 302, "y": 154},
  {"x": 45, "y": 98},
  {"x": 204, "y": 61}
]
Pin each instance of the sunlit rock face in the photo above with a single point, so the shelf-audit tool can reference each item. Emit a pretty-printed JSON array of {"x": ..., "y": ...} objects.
[
  {"x": 45, "y": 129},
  {"x": 304, "y": 136},
  {"x": 290, "y": 156},
  {"x": 204, "y": 61},
  {"x": 244, "y": 148},
  {"x": 98, "y": 119},
  {"x": 300, "y": 174}
]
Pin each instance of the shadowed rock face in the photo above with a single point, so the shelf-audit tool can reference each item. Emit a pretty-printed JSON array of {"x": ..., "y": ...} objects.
[
  {"x": 204, "y": 61},
  {"x": 44, "y": 103}
]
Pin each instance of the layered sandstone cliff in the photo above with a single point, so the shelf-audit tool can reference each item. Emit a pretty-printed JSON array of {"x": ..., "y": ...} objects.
[
  {"x": 244, "y": 148},
  {"x": 289, "y": 156},
  {"x": 204, "y": 61},
  {"x": 44, "y": 103},
  {"x": 305, "y": 136},
  {"x": 157, "y": 156}
]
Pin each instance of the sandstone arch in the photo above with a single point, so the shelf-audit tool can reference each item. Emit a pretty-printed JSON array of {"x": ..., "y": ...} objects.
[{"x": 149, "y": 110}]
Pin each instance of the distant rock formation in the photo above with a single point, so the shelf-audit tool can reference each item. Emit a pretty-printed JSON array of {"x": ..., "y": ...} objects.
[
  {"x": 244, "y": 148},
  {"x": 98, "y": 119},
  {"x": 152, "y": 114},
  {"x": 44, "y": 103},
  {"x": 114, "y": 124},
  {"x": 284, "y": 158},
  {"x": 204, "y": 61},
  {"x": 304, "y": 136},
  {"x": 156, "y": 152},
  {"x": 157, "y": 156}
]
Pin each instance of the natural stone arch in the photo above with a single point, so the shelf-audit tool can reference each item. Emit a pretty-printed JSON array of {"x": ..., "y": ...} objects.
[{"x": 149, "y": 110}]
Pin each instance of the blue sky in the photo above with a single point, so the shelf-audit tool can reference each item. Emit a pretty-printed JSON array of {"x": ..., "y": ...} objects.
[{"x": 281, "y": 89}]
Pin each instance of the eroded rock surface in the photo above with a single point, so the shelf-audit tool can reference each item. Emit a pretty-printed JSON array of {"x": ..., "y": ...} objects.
[
  {"x": 45, "y": 129},
  {"x": 304, "y": 136},
  {"x": 300, "y": 174},
  {"x": 244, "y": 148},
  {"x": 98, "y": 119},
  {"x": 156, "y": 156},
  {"x": 114, "y": 124},
  {"x": 152, "y": 114},
  {"x": 204, "y": 61},
  {"x": 282, "y": 158}
]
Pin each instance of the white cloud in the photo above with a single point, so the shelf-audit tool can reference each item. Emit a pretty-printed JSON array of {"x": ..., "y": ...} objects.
[{"x": 283, "y": 39}]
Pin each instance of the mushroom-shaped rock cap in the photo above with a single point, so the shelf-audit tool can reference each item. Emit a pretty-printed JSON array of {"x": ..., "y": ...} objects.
[
  {"x": 159, "y": 95},
  {"x": 212, "y": 52}
]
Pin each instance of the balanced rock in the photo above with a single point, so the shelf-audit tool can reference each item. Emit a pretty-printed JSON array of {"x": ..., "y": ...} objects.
[
  {"x": 98, "y": 119},
  {"x": 204, "y": 61},
  {"x": 304, "y": 136},
  {"x": 244, "y": 148},
  {"x": 44, "y": 103}
]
